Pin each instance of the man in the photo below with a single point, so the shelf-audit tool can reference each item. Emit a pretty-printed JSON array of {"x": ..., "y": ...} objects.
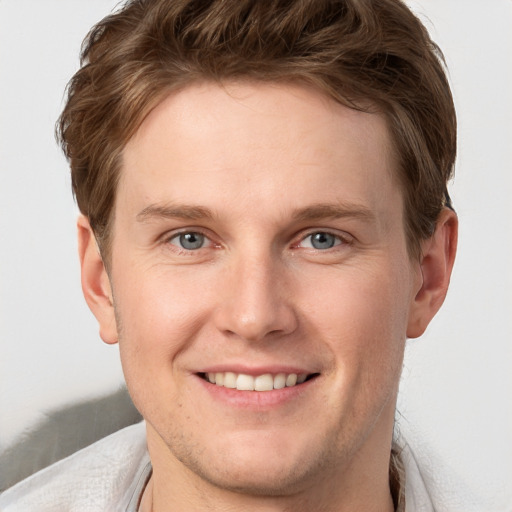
[{"x": 264, "y": 221}]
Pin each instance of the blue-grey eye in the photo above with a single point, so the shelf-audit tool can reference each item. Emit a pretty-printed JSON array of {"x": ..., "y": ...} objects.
[
  {"x": 321, "y": 240},
  {"x": 190, "y": 241}
]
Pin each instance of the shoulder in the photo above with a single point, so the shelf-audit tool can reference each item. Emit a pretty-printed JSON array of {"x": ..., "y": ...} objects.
[
  {"x": 417, "y": 494},
  {"x": 102, "y": 476},
  {"x": 430, "y": 484}
]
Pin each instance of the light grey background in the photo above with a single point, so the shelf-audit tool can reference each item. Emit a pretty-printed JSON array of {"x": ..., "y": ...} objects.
[{"x": 456, "y": 396}]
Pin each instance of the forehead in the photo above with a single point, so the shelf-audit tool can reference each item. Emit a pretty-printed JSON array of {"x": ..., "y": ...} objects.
[
  {"x": 258, "y": 142},
  {"x": 207, "y": 109}
]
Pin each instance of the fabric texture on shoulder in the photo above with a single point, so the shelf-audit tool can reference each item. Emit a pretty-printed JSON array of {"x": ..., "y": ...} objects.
[
  {"x": 430, "y": 483},
  {"x": 111, "y": 475},
  {"x": 108, "y": 475}
]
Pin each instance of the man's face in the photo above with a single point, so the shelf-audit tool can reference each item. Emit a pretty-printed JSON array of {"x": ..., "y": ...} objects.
[{"x": 258, "y": 236}]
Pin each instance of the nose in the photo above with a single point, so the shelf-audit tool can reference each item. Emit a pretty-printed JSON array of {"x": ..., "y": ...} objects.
[{"x": 256, "y": 300}]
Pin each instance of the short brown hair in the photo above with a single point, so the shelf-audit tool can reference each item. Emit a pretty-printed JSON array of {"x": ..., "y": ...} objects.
[{"x": 359, "y": 52}]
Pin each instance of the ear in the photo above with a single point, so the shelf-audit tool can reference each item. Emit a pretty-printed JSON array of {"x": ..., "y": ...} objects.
[
  {"x": 436, "y": 263},
  {"x": 95, "y": 282}
]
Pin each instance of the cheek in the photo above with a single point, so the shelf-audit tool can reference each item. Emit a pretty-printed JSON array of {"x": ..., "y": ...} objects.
[
  {"x": 155, "y": 305},
  {"x": 359, "y": 319},
  {"x": 156, "y": 321},
  {"x": 362, "y": 315}
]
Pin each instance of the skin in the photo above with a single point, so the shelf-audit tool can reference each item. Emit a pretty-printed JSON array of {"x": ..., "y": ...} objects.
[{"x": 257, "y": 169}]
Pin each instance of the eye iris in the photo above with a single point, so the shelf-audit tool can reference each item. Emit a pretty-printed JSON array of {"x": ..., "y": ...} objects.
[
  {"x": 191, "y": 240},
  {"x": 323, "y": 240}
]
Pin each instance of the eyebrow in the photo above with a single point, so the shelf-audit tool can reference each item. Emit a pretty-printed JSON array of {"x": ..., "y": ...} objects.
[
  {"x": 334, "y": 211},
  {"x": 185, "y": 212},
  {"x": 310, "y": 213}
]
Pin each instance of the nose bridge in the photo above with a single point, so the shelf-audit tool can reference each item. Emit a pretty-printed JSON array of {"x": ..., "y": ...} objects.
[{"x": 255, "y": 300}]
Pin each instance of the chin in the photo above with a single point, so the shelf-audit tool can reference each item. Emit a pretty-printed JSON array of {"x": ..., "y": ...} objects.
[
  {"x": 259, "y": 467},
  {"x": 256, "y": 480}
]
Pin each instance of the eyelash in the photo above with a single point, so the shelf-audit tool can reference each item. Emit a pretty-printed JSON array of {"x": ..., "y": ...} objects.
[
  {"x": 337, "y": 241},
  {"x": 169, "y": 239}
]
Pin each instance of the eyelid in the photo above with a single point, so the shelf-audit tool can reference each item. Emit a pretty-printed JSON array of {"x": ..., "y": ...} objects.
[
  {"x": 206, "y": 241},
  {"x": 344, "y": 238},
  {"x": 171, "y": 235}
]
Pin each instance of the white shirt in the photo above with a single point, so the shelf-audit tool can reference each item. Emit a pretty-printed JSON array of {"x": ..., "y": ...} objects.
[{"x": 111, "y": 474}]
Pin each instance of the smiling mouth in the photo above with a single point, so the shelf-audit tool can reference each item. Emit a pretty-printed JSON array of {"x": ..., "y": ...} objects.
[{"x": 265, "y": 382}]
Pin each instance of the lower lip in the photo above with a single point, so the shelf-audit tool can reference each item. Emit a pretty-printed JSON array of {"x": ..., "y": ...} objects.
[{"x": 256, "y": 399}]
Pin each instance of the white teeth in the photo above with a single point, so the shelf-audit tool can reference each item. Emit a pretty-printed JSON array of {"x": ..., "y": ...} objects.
[
  {"x": 280, "y": 381},
  {"x": 265, "y": 382},
  {"x": 230, "y": 380},
  {"x": 245, "y": 382},
  {"x": 291, "y": 380}
]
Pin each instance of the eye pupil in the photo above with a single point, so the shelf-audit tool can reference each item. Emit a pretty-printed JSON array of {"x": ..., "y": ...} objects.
[
  {"x": 191, "y": 240},
  {"x": 323, "y": 240}
]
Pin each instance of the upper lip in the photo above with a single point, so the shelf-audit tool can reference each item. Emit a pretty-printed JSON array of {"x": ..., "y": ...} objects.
[{"x": 256, "y": 370}]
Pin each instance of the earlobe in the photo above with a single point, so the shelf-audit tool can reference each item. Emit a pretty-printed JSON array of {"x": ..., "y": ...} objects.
[
  {"x": 436, "y": 263},
  {"x": 95, "y": 282}
]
